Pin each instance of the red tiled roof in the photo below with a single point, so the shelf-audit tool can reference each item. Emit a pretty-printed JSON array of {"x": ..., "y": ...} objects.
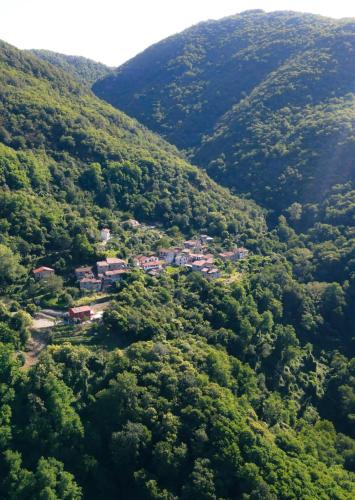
[
  {"x": 197, "y": 256},
  {"x": 114, "y": 260},
  {"x": 145, "y": 258},
  {"x": 81, "y": 309},
  {"x": 42, "y": 268},
  {"x": 198, "y": 263},
  {"x": 226, "y": 254},
  {"x": 202, "y": 263},
  {"x": 154, "y": 263}
]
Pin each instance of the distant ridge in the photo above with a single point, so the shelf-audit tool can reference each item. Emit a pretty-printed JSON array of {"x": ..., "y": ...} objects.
[
  {"x": 265, "y": 102},
  {"x": 82, "y": 69}
]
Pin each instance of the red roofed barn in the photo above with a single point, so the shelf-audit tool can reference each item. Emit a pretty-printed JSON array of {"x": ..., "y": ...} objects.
[
  {"x": 82, "y": 313},
  {"x": 43, "y": 272}
]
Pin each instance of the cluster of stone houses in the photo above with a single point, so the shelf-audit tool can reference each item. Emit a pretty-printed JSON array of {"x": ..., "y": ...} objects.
[
  {"x": 151, "y": 264},
  {"x": 234, "y": 255},
  {"x": 193, "y": 254},
  {"x": 108, "y": 271}
]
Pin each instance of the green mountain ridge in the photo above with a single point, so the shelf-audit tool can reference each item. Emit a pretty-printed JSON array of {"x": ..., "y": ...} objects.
[
  {"x": 263, "y": 102},
  {"x": 236, "y": 388},
  {"x": 85, "y": 70},
  {"x": 44, "y": 110}
]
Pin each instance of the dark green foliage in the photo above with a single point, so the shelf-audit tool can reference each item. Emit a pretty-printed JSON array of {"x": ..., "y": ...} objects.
[
  {"x": 158, "y": 425},
  {"x": 263, "y": 102},
  {"x": 236, "y": 388},
  {"x": 85, "y": 154}
]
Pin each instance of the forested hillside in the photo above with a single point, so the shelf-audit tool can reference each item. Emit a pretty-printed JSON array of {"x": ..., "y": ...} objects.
[
  {"x": 236, "y": 387},
  {"x": 82, "y": 69},
  {"x": 263, "y": 102},
  {"x": 82, "y": 151}
]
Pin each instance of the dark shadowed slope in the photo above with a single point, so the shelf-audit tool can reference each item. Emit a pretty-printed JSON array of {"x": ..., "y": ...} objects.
[{"x": 264, "y": 102}]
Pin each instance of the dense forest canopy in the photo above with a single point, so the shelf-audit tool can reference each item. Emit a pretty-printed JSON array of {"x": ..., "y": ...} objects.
[
  {"x": 263, "y": 102},
  {"x": 84, "y": 70},
  {"x": 99, "y": 152},
  {"x": 240, "y": 387}
]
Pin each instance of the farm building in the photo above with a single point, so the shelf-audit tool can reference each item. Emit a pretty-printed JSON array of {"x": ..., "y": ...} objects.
[
  {"x": 82, "y": 313},
  {"x": 43, "y": 272}
]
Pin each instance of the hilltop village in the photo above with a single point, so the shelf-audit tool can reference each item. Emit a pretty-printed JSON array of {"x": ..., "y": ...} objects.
[{"x": 192, "y": 255}]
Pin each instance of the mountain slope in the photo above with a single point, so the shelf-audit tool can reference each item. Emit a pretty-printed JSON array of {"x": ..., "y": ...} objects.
[
  {"x": 264, "y": 102},
  {"x": 82, "y": 69},
  {"x": 219, "y": 387},
  {"x": 67, "y": 129}
]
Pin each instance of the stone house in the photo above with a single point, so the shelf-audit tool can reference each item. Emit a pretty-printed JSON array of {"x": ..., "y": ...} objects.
[
  {"x": 155, "y": 264},
  {"x": 169, "y": 254},
  {"x": 114, "y": 263},
  {"x": 115, "y": 275},
  {"x": 84, "y": 272},
  {"x": 102, "y": 267},
  {"x": 90, "y": 284},
  {"x": 234, "y": 255},
  {"x": 192, "y": 244},
  {"x": 181, "y": 259},
  {"x": 198, "y": 265},
  {"x": 43, "y": 272}
]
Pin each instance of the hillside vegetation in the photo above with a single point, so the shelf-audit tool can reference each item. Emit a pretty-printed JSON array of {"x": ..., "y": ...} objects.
[
  {"x": 82, "y": 69},
  {"x": 72, "y": 148},
  {"x": 263, "y": 102},
  {"x": 239, "y": 387}
]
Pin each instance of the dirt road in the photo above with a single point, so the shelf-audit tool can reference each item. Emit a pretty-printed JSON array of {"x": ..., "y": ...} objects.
[{"x": 35, "y": 345}]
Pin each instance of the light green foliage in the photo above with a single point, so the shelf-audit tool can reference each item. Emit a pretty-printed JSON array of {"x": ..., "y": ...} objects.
[
  {"x": 90, "y": 146},
  {"x": 10, "y": 268},
  {"x": 82, "y": 69}
]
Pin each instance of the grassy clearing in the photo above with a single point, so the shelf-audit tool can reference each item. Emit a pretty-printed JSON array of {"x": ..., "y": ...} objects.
[{"x": 95, "y": 297}]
